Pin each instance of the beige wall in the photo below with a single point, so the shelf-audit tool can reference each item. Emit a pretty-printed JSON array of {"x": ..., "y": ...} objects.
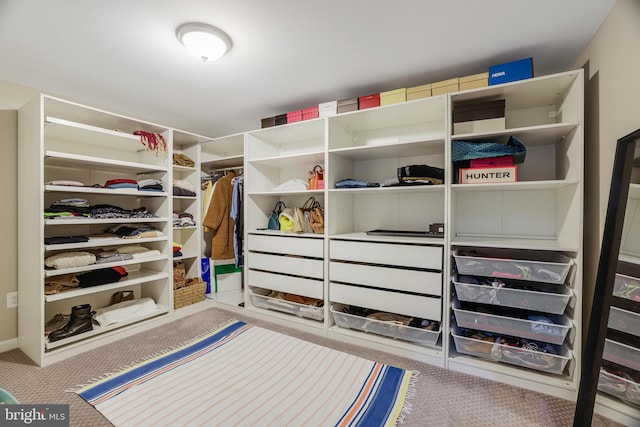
[
  {"x": 9, "y": 215},
  {"x": 612, "y": 110}
]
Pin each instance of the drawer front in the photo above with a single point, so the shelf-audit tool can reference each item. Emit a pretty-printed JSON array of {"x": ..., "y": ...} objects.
[
  {"x": 392, "y": 302},
  {"x": 293, "y": 285},
  {"x": 287, "y": 265},
  {"x": 422, "y": 282},
  {"x": 286, "y": 245},
  {"x": 387, "y": 253}
]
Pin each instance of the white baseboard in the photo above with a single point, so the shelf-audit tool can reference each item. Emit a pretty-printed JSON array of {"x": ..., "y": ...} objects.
[{"x": 8, "y": 345}]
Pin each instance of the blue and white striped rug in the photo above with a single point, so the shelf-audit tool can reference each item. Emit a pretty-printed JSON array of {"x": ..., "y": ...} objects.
[{"x": 241, "y": 375}]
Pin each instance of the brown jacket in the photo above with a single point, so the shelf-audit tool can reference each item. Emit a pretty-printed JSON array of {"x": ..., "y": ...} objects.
[{"x": 218, "y": 218}]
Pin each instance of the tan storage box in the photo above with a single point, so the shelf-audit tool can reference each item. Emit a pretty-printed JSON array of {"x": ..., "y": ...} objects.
[
  {"x": 474, "y": 81},
  {"x": 418, "y": 92},
  {"x": 348, "y": 104},
  {"x": 395, "y": 96},
  {"x": 445, "y": 86}
]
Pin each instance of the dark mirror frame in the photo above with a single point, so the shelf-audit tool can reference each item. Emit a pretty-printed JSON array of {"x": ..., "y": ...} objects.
[{"x": 603, "y": 291}]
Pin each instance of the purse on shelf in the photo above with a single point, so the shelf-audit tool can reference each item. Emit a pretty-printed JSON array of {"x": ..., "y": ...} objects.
[
  {"x": 303, "y": 214},
  {"x": 316, "y": 218},
  {"x": 274, "y": 218},
  {"x": 316, "y": 178},
  {"x": 288, "y": 222}
]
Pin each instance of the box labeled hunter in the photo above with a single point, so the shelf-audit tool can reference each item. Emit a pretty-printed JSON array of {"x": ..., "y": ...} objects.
[{"x": 488, "y": 175}]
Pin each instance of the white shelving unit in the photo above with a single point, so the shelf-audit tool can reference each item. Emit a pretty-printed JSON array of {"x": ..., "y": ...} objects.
[
  {"x": 539, "y": 217},
  {"x": 190, "y": 237},
  {"x": 541, "y": 213},
  {"x": 281, "y": 263},
  {"x": 63, "y": 140},
  {"x": 399, "y": 275}
]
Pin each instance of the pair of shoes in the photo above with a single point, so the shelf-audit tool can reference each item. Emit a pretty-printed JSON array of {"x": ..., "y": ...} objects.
[
  {"x": 56, "y": 322},
  {"x": 531, "y": 354},
  {"x": 79, "y": 322}
]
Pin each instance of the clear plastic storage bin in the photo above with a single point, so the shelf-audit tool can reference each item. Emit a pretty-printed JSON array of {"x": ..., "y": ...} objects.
[
  {"x": 627, "y": 287},
  {"x": 625, "y": 321},
  {"x": 260, "y": 298},
  {"x": 526, "y": 358},
  {"x": 546, "y": 302},
  {"x": 536, "y": 266},
  {"x": 418, "y": 336},
  {"x": 622, "y": 387},
  {"x": 621, "y": 354},
  {"x": 553, "y": 333}
]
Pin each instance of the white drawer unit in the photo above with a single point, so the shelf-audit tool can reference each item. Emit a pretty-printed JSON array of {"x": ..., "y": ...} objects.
[
  {"x": 287, "y": 245},
  {"x": 392, "y": 302},
  {"x": 279, "y": 282},
  {"x": 417, "y": 256},
  {"x": 287, "y": 264},
  {"x": 400, "y": 279}
]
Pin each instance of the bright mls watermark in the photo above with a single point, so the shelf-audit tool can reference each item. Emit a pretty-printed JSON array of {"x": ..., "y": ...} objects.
[{"x": 34, "y": 415}]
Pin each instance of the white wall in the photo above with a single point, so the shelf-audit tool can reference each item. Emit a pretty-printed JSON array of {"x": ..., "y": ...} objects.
[{"x": 612, "y": 110}]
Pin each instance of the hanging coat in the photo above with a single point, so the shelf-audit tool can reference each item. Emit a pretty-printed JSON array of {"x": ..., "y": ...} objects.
[{"x": 218, "y": 218}]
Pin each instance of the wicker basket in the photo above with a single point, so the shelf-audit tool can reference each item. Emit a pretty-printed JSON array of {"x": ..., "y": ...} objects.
[{"x": 193, "y": 292}]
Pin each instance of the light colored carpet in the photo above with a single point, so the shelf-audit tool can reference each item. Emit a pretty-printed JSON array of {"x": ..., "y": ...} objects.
[{"x": 443, "y": 397}]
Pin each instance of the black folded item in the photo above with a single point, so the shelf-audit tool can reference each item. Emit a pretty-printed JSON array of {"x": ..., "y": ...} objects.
[
  {"x": 101, "y": 277},
  {"x": 65, "y": 239},
  {"x": 420, "y": 174}
]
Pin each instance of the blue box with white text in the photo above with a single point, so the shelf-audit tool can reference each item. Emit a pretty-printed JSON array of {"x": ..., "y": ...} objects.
[{"x": 511, "y": 71}]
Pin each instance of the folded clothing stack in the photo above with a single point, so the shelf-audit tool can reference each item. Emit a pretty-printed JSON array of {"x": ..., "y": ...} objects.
[
  {"x": 151, "y": 184},
  {"x": 183, "y": 187}
]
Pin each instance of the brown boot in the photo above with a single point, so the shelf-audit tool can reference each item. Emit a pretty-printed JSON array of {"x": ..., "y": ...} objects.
[{"x": 79, "y": 322}]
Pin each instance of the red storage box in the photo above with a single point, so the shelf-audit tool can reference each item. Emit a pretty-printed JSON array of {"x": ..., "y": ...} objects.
[
  {"x": 310, "y": 113},
  {"x": 491, "y": 162},
  {"x": 369, "y": 101},
  {"x": 294, "y": 116}
]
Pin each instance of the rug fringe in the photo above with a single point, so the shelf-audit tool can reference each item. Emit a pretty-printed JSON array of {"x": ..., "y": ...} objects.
[
  {"x": 78, "y": 387},
  {"x": 411, "y": 392}
]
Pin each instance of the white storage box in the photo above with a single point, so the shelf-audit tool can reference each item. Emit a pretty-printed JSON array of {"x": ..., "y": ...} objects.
[
  {"x": 546, "y": 302},
  {"x": 527, "y": 358},
  {"x": 621, "y": 354},
  {"x": 536, "y": 266},
  {"x": 418, "y": 336},
  {"x": 625, "y": 321},
  {"x": 326, "y": 109},
  {"x": 260, "y": 298},
  {"x": 554, "y": 333}
]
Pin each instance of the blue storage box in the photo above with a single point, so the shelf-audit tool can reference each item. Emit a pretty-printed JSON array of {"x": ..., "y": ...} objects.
[{"x": 511, "y": 71}]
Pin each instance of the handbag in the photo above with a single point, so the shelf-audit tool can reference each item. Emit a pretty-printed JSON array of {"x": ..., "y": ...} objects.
[
  {"x": 316, "y": 218},
  {"x": 288, "y": 222},
  {"x": 274, "y": 218},
  {"x": 316, "y": 178},
  {"x": 303, "y": 214}
]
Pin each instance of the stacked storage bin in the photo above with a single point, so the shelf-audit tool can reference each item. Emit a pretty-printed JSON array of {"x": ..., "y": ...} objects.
[
  {"x": 620, "y": 373},
  {"x": 518, "y": 319}
]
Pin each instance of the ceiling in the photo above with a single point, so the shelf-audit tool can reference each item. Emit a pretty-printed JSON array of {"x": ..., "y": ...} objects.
[{"x": 123, "y": 56}]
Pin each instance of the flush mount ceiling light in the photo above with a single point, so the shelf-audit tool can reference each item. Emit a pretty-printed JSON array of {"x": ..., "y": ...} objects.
[{"x": 204, "y": 41}]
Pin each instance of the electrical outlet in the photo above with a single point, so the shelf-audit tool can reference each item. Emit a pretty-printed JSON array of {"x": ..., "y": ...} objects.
[{"x": 12, "y": 299}]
